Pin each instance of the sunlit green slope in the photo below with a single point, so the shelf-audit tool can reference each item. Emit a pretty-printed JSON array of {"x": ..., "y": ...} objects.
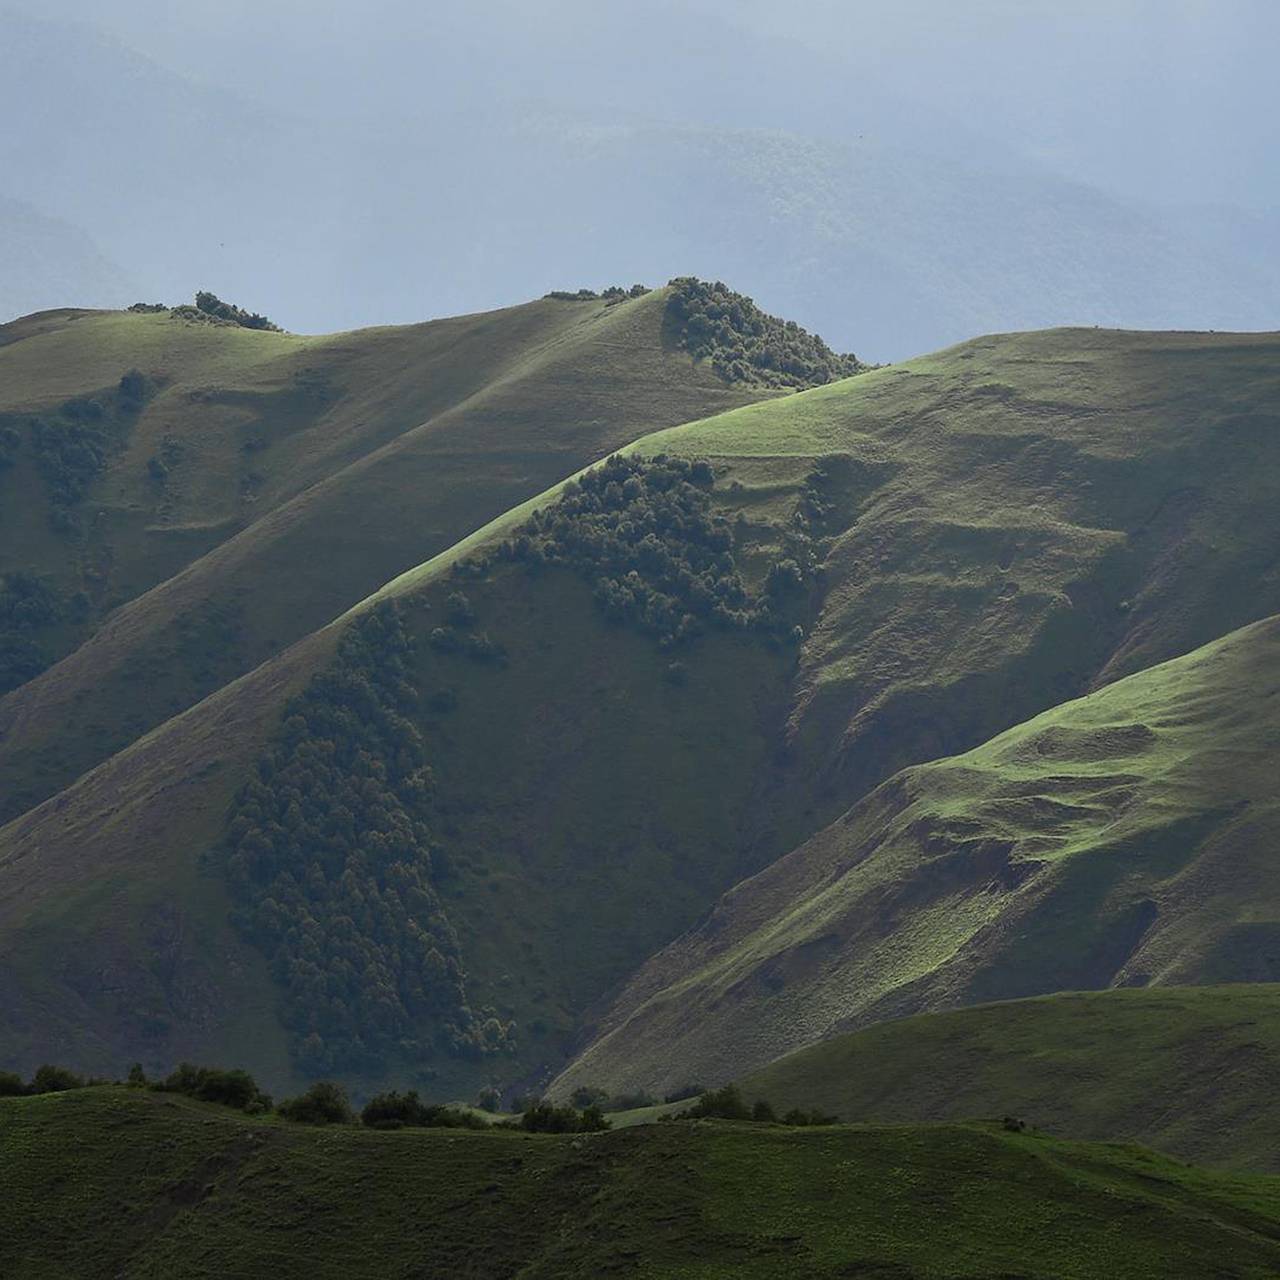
[
  {"x": 1003, "y": 526},
  {"x": 1126, "y": 838},
  {"x": 271, "y": 481}
]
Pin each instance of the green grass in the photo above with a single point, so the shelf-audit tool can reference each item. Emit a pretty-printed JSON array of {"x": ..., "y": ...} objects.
[
  {"x": 1121, "y": 839},
  {"x": 1019, "y": 519},
  {"x": 304, "y": 473},
  {"x": 1188, "y": 1070},
  {"x": 111, "y": 1182}
]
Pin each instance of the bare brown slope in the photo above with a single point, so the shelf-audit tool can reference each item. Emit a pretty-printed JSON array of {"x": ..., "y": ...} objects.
[{"x": 517, "y": 400}]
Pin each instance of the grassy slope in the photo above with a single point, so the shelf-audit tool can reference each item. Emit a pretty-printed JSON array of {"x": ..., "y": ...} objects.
[
  {"x": 378, "y": 449},
  {"x": 1122, "y": 839},
  {"x": 1188, "y": 1070},
  {"x": 1025, "y": 515},
  {"x": 114, "y": 1183}
]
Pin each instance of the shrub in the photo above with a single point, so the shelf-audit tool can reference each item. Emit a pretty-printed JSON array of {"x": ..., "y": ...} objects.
[
  {"x": 51, "y": 1079},
  {"x": 545, "y": 1117},
  {"x": 11, "y": 1085},
  {"x": 489, "y": 1100},
  {"x": 233, "y": 1088},
  {"x": 720, "y": 1104},
  {"x": 211, "y": 305},
  {"x": 148, "y": 308},
  {"x": 405, "y": 1110},
  {"x": 323, "y": 1103},
  {"x": 763, "y": 1112}
]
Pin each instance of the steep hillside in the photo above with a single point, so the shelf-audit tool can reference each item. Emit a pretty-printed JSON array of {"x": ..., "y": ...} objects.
[
  {"x": 270, "y": 482},
  {"x": 857, "y": 578},
  {"x": 111, "y": 1182},
  {"x": 1124, "y": 839},
  {"x": 1186, "y": 1070}
]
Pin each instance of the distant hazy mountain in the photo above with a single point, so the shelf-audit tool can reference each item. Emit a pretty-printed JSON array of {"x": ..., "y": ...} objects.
[
  {"x": 920, "y": 233},
  {"x": 47, "y": 263}
]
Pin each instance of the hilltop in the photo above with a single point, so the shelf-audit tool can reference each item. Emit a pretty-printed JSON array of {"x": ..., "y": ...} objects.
[
  {"x": 267, "y": 482},
  {"x": 111, "y": 1181},
  {"x": 1122, "y": 839},
  {"x": 829, "y": 586}
]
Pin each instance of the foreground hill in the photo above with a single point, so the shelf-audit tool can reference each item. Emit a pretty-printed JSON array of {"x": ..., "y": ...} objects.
[
  {"x": 267, "y": 482},
  {"x": 671, "y": 679},
  {"x": 113, "y": 1182},
  {"x": 1187, "y": 1070},
  {"x": 1119, "y": 840}
]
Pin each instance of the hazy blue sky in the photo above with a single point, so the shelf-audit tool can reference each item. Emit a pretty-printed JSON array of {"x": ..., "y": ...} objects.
[{"x": 397, "y": 140}]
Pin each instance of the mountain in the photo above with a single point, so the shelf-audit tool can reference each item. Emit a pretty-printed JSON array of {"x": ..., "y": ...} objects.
[
  {"x": 495, "y": 788},
  {"x": 271, "y": 481},
  {"x": 44, "y": 261},
  {"x": 495, "y": 159},
  {"x": 1182, "y": 1069},
  {"x": 1122, "y": 839},
  {"x": 164, "y": 1186}
]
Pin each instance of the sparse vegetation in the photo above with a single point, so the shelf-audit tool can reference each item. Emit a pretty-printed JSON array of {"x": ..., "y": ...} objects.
[
  {"x": 727, "y": 1103},
  {"x": 744, "y": 344}
]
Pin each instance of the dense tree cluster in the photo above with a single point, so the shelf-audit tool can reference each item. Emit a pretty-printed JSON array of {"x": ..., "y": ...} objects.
[
  {"x": 644, "y": 533},
  {"x": 47, "y": 1079},
  {"x": 147, "y": 308},
  {"x": 230, "y": 1088},
  {"x": 407, "y": 1111},
  {"x": 73, "y": 443},
  {"x": 211, "y": 305},
  {"x": 540, "y": 1116},
  {"x": 728, "y": 1104},
  {"x": 746, "y": 345},
  {"x": 614, "y": 293},
  {"x": 28, "y": 608},
  {"x": 330, "y": 859}
]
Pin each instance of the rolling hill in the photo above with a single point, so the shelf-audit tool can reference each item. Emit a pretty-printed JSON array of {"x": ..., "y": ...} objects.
[
  {"x": 923, "y": 556},
  {"x": 1123, "y": 839},
  {"x": 108, "y": 1182},
  {"x": 1183, "y": 1069},
  {"x": 296, "y": 476}
]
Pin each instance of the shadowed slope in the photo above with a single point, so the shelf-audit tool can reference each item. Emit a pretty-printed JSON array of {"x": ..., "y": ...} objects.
[
  {"x": 162, "y": 1186},
  {"x": 305, "y": 472},
  {"x": 999, "y": 527},
  {"x": 1122, "y": 839}
]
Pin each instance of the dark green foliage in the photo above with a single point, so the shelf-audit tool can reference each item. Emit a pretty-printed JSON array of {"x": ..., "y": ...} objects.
[
  {"x": 148, "y": 308},
  {"x": 728, "y": 1104},
  {"x": 211, "y": 305},
  {"x": 405, "y": 1110},
  {"x": 323, "y": 1103},
  {"x": 50, "y": 1079},
  {"x": 644, "y": 533},
  {"x": 586, "y": 1095},
  {"x": 11, "y": 1085},
  {"x": 231, "y": 1088},
  {"x": 10, "y": 443},
  {"x": 331, "y": 862},
  {"x": 545, "y": 1117},
  {"x": 137, "y": 1076},
  {"x": 614, "y": 293},
  {"x": 746, "y": 345},
  {"x": 29, "y": 608},
  {"x": 720, "y": 1104},
  {"x": 73, "y": 444},
  {"x": 489, "y": 1100}
]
